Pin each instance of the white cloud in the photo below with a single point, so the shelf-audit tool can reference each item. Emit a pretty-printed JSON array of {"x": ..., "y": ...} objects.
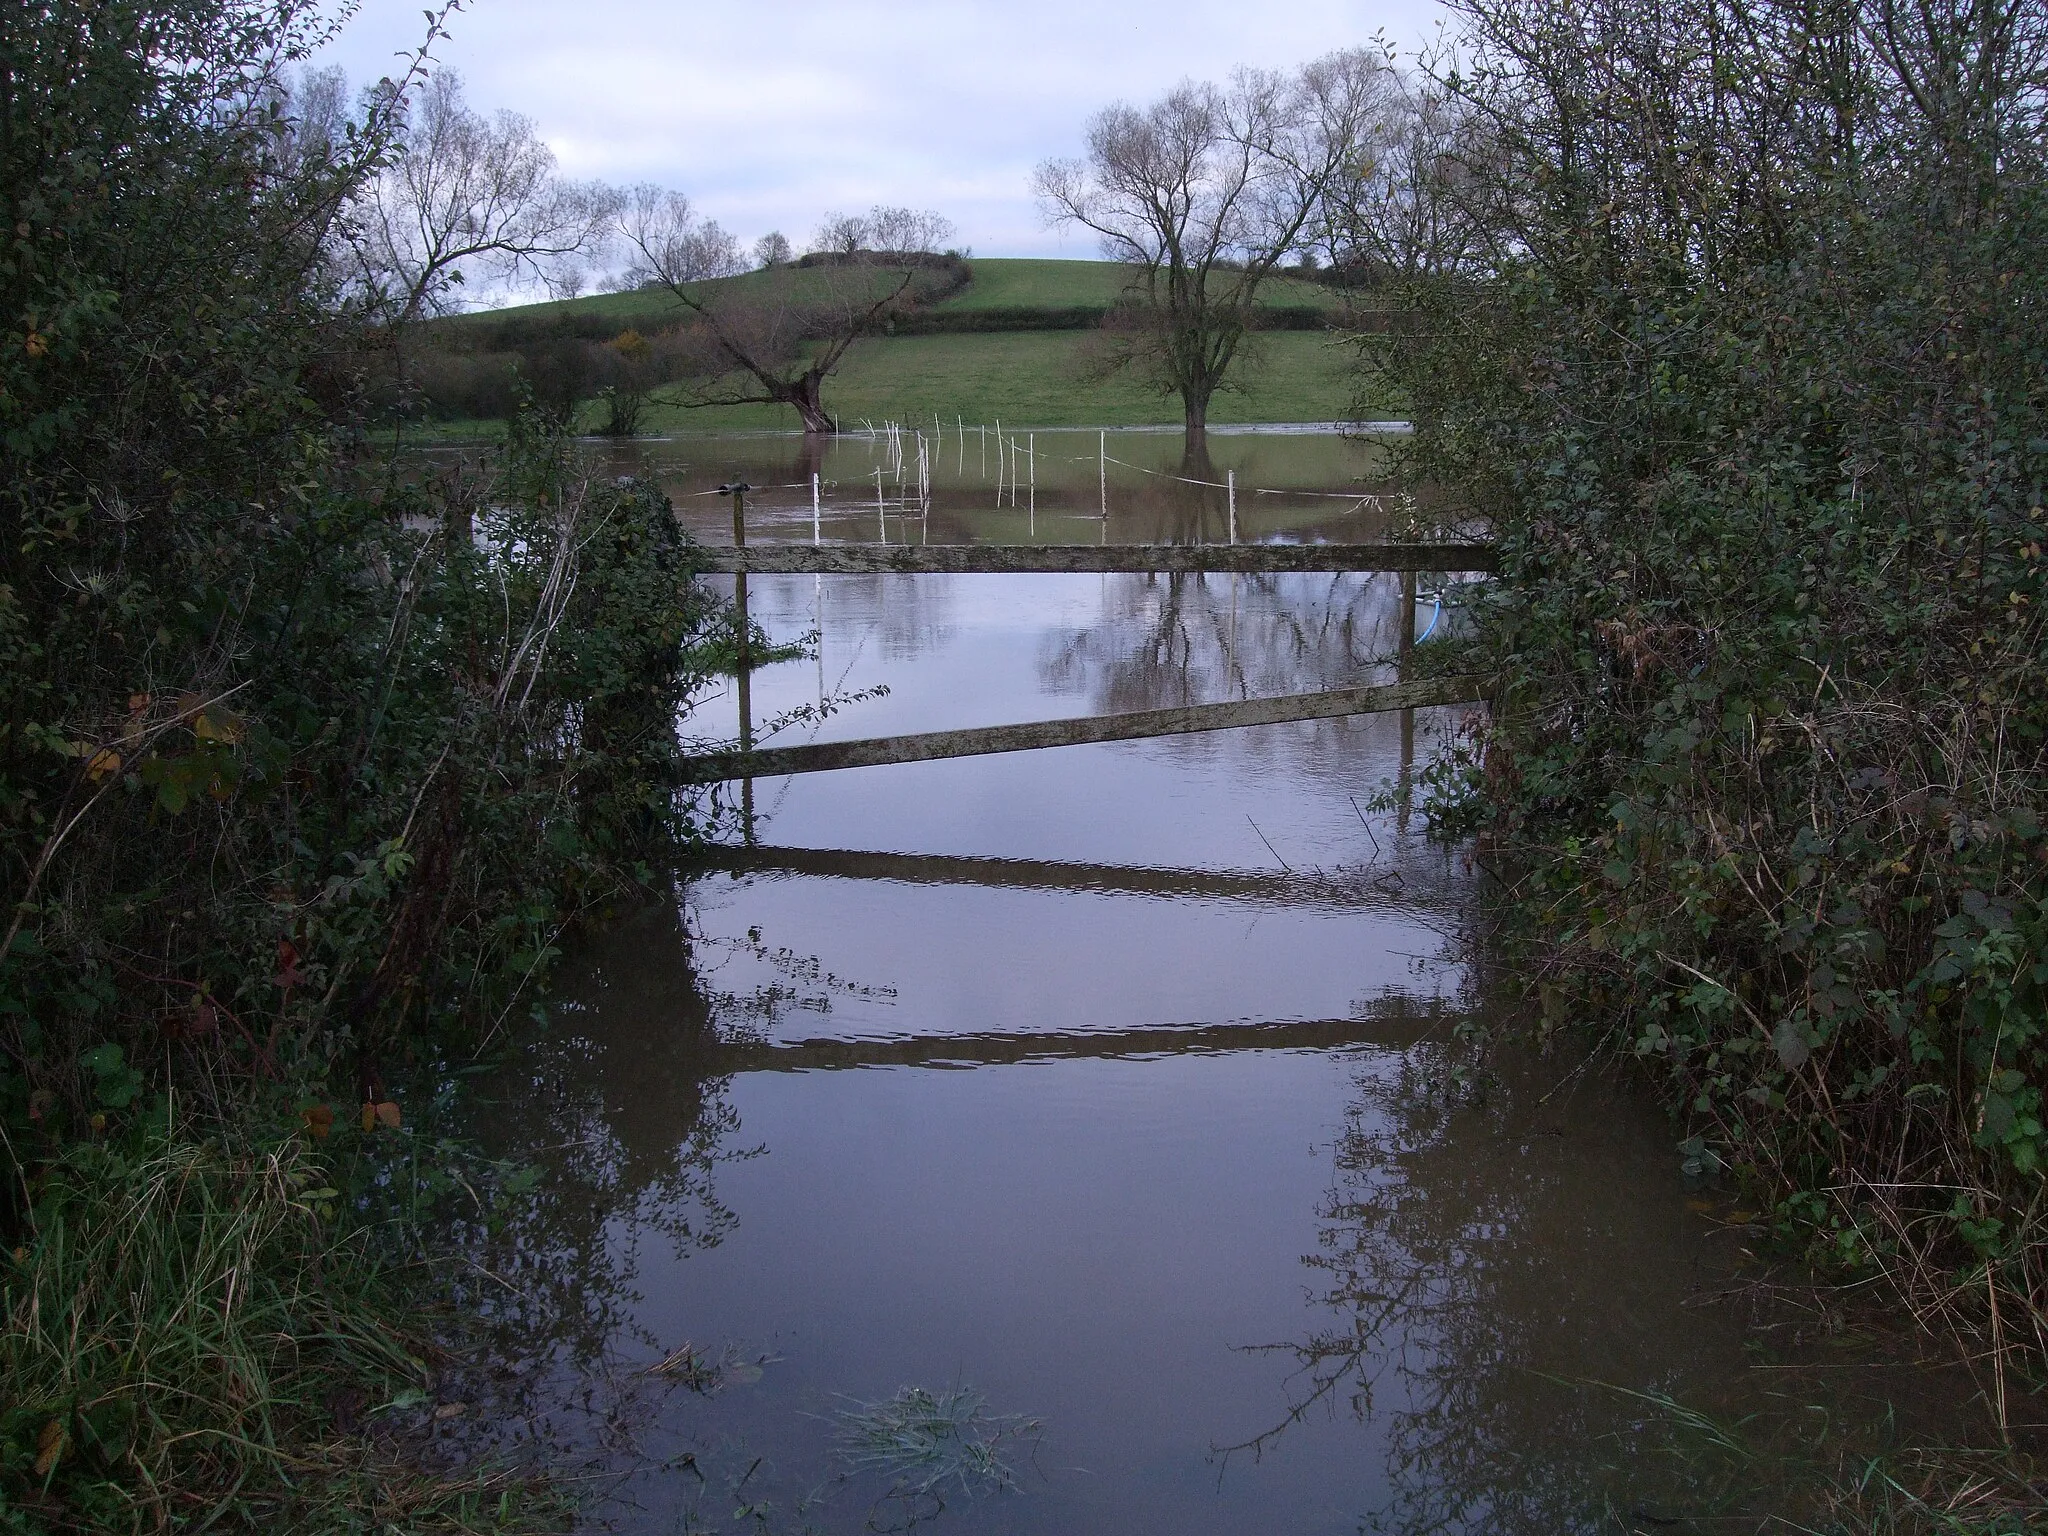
[{"x": 770, "y": 112}]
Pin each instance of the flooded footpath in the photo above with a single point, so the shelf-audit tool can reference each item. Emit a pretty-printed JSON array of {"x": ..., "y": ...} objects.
[{"x": 1079, "y": 1140}]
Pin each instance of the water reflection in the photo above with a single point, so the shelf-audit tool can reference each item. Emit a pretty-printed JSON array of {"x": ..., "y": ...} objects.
[
  {"x": 1178, "y": 639},
  {"x": 1109, "y": 1082},
  {"x": 1287, "y": 889},
  {"x": 631, "y": 1129},
  {"x": 1505, "y": 1310},
  {"x": 1471, "y": 1260},
  {"x": 1058, "y": 486}
]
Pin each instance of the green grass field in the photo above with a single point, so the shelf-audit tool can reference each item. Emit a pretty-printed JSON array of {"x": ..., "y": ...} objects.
[
  {"x": 998, "y": 283},
  {"x": 1034, "y": 378},
  {"x": 1009, "y": 283},
  {"x": 1026, "y": 377}
]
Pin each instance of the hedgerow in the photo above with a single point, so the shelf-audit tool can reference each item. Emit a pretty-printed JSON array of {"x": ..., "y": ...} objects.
[
  {"x": 1754, "y": 391},
  {"x": 306, "y": 757}
]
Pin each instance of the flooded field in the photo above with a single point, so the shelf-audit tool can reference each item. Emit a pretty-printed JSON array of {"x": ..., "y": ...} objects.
[
  {"x": 1076, "y": 1141},
  {"x": 1001, "y": 484}
]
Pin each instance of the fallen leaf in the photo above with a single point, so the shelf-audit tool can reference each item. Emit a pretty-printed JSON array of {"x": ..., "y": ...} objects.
[
  {"x": 50, "y": 1446},
  {"x": 387, "y": 1114},
  {"x": 102, "y": 763},
  {"x": 319, "y": 1120},
  {"x": 369, "y": 1117},
  {"x": 217, "y": 724},
  {"x": 451, "y": 1410}
]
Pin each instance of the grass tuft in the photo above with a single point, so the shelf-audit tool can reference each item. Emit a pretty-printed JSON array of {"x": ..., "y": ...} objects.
[
  {"x": 926, "y": 1442},
  {"x": 185, "y": 1338}
]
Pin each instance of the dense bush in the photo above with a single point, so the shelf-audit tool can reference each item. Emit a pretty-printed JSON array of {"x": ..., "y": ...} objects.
[
  {"x": 1757, "y": 401},
  {"x": 461, "y": 386},
  {"x": 301, "y": 754}
]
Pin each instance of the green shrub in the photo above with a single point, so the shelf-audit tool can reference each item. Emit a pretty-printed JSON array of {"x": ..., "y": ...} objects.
[
  {"x": 1756, "y": 397},
  {"x": 304, "y": 757}
]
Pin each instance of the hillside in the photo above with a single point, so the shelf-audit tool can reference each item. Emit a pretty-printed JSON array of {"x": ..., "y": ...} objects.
[
  {"x": 1063, "y": 295},
  {"x": 1015, "y": 343},
  {"x": 1039, "y": 379},
  {"x": 1012, "y": 283}
]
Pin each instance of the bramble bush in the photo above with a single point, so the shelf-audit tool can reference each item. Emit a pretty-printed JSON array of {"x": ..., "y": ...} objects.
[
  {"x": 1754, "y": 392},
  {"x": 305, "y": 758}
]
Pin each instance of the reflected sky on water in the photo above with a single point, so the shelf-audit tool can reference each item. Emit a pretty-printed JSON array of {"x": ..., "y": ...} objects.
[{"x": 1117, "y": 1083}]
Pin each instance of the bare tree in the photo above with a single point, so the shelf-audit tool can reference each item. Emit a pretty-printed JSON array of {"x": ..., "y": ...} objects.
[
  {"x": 313, "y": 119},
  {"x": 772, "y": 250},
  {"x": 905, "y": 229},
  {"x": 465, "y": 200},
  {"x": 667, "y": 243},
  {"x": 775, "y": 336},
  {"x": 841, "y": 234},
  {"x": 1205, "y": 193},
  {"x": 1405, "y": 210}
]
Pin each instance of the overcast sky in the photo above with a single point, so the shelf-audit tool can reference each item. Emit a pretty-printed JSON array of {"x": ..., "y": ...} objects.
[{"x": 769, "y": 112}]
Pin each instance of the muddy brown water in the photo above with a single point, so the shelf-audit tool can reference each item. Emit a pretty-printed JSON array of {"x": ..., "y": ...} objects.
[{"x": 1114, "y": 1087}]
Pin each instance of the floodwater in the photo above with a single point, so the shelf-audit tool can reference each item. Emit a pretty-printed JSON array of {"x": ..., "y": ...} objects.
[{"x": 1108, "y": 1095}]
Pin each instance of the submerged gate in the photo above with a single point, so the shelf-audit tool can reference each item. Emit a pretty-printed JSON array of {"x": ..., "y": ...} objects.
[{"x": 749, "y": 763}]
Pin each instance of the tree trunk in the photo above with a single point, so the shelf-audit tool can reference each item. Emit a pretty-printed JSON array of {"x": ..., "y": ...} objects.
[
  {"x": 1194, "y": 401},
  {"x": 1195, "y": 462},
  {"x": 803, "y": 393}
]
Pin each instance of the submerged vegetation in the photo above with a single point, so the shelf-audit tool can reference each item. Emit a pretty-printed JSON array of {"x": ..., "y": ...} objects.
[
  {"x": 926, "y": 1442},
  {"x": 304, "y": 766},
  {"x": 1748, "y": 374}
]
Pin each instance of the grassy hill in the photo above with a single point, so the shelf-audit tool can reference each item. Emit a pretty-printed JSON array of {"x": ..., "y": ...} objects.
[
  {"x": 1012, "y": 344},
  {"x": 1055, "y": 289},
  {"x": 1035, "y": 379},
  {"x": 1009, "y": 283}
]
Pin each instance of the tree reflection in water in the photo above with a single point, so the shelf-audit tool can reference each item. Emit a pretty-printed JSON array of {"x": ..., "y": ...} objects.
[
  {"x": 1170, "y": 640},
  {"x": 1483, "y": 1282},
  {"x": 626, "y": 1134}
]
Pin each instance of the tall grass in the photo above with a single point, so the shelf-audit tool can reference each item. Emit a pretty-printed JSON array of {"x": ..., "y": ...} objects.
[
  {"x": 1818, "y": 1480},
  {"x": 186, "y": 1331}
]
